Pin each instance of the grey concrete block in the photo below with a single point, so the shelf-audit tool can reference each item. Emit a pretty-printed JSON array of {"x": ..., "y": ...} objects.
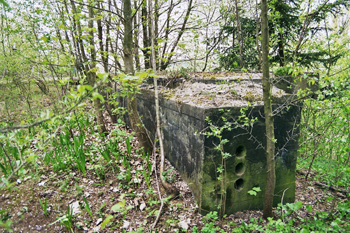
[{"x": 195, "y": 157}]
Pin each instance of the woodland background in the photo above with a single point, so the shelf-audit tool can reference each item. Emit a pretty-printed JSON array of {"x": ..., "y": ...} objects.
[{"x": 63, "y": 141}]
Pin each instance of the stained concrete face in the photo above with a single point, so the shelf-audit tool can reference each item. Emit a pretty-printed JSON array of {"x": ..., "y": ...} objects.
[
  {"x": 195, "y": 157},
  {"x": 246, "y": 168}
]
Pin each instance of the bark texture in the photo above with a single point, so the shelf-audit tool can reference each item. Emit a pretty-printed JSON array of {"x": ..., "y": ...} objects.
[
  {"x": 92, "y": 76},
  {"x": 134, "y": 117},
  {"x": 270, "y": 135}
]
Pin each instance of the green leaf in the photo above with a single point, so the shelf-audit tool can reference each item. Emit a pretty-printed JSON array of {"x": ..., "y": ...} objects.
[
  {"x": 297, "y": 205},
  {"x": 103, "y": 76},
  {"x": 44, "y": 38},
  {"x": 4, "y": 3},
  {"x": 3, "y": 169},
  {"x": 309, "y": 208},
  {"x": 106, "y": 221},
  {"x": 81, "y": 88},
  {"x": 257, "y": 189},
  {"x": 181, "y": 45},
  {"x": 143, "y": 75},
  {"x": 88, "y": 87},
  {"x": 251, "y": 192},
  {"x": 87, "y": 207},
  {"x": 30, "y": 158},
  {"x": 120, "y": 206},
  {"x": 97, "y": 95}
]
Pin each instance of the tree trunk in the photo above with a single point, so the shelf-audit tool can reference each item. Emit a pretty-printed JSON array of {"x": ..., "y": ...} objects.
[
  {"x": 239, "y": 35},
  {"x": 146, "y": 42},
  {"x": 168, "y": 188},
  {"x": 270, "y": 136},
  {"x": 167, "y": 31},
  {"x": 134, "y": 117},
  {"x": 181, "y": 32},
  {"x": 92, "y": 75},
  {"x": 104, "y": 57},
  {"x": 136, "y": 40},
  {"x": 257, "y": 35},
  {"x": 281, "y": 50}
]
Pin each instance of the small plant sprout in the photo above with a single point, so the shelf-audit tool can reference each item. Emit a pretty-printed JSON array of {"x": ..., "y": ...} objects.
[
  {"x": 66, "y": 220},
  {"x": 44, "y": 207},
  {"x": 87, "y": 207}
]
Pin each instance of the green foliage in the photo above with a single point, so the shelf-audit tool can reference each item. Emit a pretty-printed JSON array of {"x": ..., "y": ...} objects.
[
  {"x": 68, "y": 148},
  {"x": 5, "y": 221},
  {"x": 254, "y": 191},
  {"x": 4, "y": 2},
  {"x": 216, "y": 132},
  {"x": 44, "y": 207},
  {"x": 209, "y": 224},
  {"x": 146, "y": 168},
  {"x": 180, "y": 73},
  {"x": 126, "y": 160},
  {"x": 292, "y": 222},
  {"x": 66, "y": 220},
  {"x": 87, "y": 207},
  {"x": 229, "y": 57},
  {"x": 284, "y": 71},
  {"x": 169, "y": 175},
  {"x": 290, "y": 26},
  {"x": 325, "y": 148},
  {"x": 106, "y": 221}
]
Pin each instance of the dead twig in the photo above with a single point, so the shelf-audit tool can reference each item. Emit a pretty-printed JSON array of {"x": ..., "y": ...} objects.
[{"x": 332, "y": 188}]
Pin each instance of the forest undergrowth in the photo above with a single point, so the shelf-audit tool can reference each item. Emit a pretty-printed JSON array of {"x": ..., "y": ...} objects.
[{"x": 64, "y": 176}]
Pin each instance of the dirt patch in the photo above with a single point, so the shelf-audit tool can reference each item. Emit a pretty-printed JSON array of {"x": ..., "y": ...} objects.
[{"x": 22, "y": 207}]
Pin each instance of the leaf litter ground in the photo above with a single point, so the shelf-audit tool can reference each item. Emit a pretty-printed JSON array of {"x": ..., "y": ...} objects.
[{"x": 138, "y": 203}]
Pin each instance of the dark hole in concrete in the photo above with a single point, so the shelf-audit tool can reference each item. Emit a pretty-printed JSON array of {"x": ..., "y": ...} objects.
[
  {"x": 239, "y": 184},
  {"x": 240, "y": 169},
  {"x": 241, "y": 151}
]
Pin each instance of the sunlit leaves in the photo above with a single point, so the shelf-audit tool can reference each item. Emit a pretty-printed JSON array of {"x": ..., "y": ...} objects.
[{"x": 4, "y": 3}]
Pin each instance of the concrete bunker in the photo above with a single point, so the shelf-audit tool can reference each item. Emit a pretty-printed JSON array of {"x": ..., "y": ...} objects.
[{"x": 184, "y": 115}]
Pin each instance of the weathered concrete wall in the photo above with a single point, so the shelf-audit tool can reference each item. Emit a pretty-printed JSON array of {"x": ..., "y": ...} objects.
[{"x": 194, "y": 156}]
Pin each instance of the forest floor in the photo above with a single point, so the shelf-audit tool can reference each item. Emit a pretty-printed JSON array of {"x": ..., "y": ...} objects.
[
  {"x": 37, "y": 200},
  {"x": 118, "y": 206}
]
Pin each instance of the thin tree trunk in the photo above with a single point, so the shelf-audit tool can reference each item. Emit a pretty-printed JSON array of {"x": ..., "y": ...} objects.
[
  {"x": 270, "y": 135},
  {"x": 136, "y": 40},
  {"x": 281, "y": 50},
  {"x": 2, "y": 35},
  {"x": 92, "y": 75},
  {"x": 146, "y": 42},
  {"x": 134, "y": 117},
  {"x": 239, "y": 34},
  {"x": 104, "y": 57},
  {"x": 257, "y": 35},
  {"x": 166, "y": 185},
  {"x": 167, "y": 30},
  {"x": 181, "y": 32},
  {"x": 155, "y": 32}
]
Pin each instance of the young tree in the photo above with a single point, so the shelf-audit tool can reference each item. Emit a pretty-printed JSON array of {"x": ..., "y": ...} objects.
[
  {"x": 270, "y": 135},
  {"x": 92, "y": 75}
]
